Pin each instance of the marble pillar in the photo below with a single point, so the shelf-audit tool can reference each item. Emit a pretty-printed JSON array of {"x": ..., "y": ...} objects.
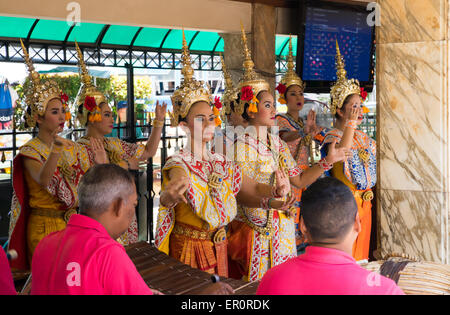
[
  {"x": 233, "y": 56},
  {"x": 261, "y": 42},
  {"x": 413, "y": 134}
]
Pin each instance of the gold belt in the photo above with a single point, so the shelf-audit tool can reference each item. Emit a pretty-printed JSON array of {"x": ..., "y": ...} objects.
[
  {"x": 365, "y": 195},
  {"x": 65, "y": 215},
  {"x": 216, "y": 236}
]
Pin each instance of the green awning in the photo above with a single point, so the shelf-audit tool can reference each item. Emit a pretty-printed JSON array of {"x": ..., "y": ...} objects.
[
  {"x": 119, "y": 35},
  {"x": 282, "y": 45}
]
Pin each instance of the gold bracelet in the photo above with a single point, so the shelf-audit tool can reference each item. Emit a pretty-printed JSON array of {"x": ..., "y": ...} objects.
[{"x": 158, "y": 123}]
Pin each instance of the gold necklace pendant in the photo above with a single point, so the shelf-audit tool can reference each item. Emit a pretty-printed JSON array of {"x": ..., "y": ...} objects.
[
  {"x": 215, "y": 180},
  {"x": 364, "y": 155},
  {"x": 367, "y": 196}
]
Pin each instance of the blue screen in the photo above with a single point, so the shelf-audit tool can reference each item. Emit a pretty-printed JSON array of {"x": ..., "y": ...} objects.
[{"x": 350, "y": 28}]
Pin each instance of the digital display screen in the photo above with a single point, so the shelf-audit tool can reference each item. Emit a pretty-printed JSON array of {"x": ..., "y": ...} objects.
[{"x": 323, "y": 26}]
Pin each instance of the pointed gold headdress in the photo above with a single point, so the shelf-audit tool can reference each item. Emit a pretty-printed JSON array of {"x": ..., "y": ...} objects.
[
  {"x": 251, "y": 83},
  {"x": 290, "y": 77},
  {"x": 190, "y": 91},
  {"x": 343, "y": 86},
  {"x": 230, "y": 94},
  {"x": 38, "y": 94},
  {"x": 89, "y": 97}
]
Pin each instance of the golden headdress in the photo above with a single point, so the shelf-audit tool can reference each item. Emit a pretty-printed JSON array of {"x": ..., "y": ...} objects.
[
  {"x": 89, "y": 97},
  {"x": 230, "y": 94},
  {"x": 290, "y": 77},
  {"x": 251, "y": 83},
  {"x": 190, "y": 91},
  {"x": 38, "y": 94},
  {"x": 343, "y": 86}
]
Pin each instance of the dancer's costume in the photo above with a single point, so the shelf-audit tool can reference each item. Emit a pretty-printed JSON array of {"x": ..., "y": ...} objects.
[
  {"x": 359, "y": 172},
  {"x": 88, "y": 103},
  {"x": 259, "y": 238},
  {"x": 194, "y": 232},
  {"x": 37, "y": 211},
  {"x": 302, "y": 148}
]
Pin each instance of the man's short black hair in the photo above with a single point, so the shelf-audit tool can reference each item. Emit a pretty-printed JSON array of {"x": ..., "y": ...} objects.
[{"x": 328, "y": 209}]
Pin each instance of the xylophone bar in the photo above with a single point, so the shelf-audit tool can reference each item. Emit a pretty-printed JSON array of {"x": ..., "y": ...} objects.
[{"x": 169, "y": 276}]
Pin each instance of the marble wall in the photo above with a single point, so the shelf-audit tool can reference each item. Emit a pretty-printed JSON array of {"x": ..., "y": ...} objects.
[
  {"x": 261, "y": 42},
  {"x": 413, "y": 135}
]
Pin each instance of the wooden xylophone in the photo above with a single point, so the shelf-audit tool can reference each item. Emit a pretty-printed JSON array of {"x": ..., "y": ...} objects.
[
  {"x": 414, "y": 277},
  {"x": 169, "y": 276}
]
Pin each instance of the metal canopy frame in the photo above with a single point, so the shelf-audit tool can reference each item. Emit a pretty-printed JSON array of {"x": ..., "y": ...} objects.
[{"x": 111, "y": 55}]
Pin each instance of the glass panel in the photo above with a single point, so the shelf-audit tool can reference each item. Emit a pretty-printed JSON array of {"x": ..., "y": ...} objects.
[
  {"x": 220, "y": 46},
  {"x": 15, "y": 27},
  {"x": 205, "y": 41},
  {"x": 166, "y": 60},
  {"x": 15, "y": 51},
  {"x": 122, "y": 57},
  {"x": 37, "y": 53},
  {"x": 150, "y": 37},
  {"x": 55, "y": 54},
  {"x": 152, "y": 59},
  {"x": 51, "y": 30},
  {"x": 107, "y": 57},
  {"x": 174, "y": 39},
  {"x": 120, "y": 35},
  {"x": 85, "y": 32},
  {"x": 282, "y": 42},
  {"x": 137, "y": 58}
]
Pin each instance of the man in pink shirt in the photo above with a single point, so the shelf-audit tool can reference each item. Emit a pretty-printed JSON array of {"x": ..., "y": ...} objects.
[
  {"x": 330, "y": 222},
  {"x": 85, "y": 257}
]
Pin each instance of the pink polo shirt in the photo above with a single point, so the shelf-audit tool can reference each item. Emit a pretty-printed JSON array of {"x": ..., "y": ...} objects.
[
  {"x": 6, "y": 279},
  {"x": 84, "y": 259},
  {"x": 324, "y": 271}
]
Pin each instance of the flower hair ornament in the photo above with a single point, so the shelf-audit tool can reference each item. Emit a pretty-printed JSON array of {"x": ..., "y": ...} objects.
[
  {"x": 65, "y": 100},
  {"x": 364, "y": 94},
  {"x": 290, "y": 77},
  {"x": 216, "y": 110},
  {"x": 89, "y": 97},
  {"x": 281, "y": 89},
  {"x": 251, "y": 84}
]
